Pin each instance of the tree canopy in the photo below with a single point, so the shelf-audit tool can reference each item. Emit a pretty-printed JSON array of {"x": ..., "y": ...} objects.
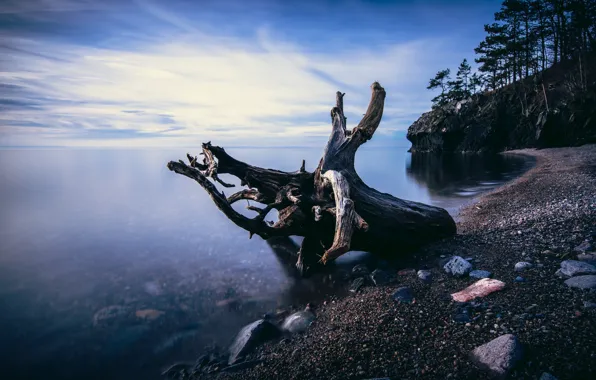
[{"x": 526, "y": 37}]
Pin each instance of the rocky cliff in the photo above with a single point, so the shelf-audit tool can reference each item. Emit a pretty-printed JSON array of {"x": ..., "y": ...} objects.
[{"x": 556, "y": 109}]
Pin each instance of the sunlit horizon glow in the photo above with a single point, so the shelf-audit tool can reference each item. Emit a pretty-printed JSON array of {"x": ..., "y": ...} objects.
[{"x": 139, "y": 73}]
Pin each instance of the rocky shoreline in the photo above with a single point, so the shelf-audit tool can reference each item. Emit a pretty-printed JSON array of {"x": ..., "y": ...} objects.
[{"x": 534, "y": 235}]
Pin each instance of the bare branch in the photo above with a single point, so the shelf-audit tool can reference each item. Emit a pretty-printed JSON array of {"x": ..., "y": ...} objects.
[
  {"x": 346, "y": 218},
  {"x": 251, "y": 194},
  {"x": 372, "y": 118},
  {"x": 337, "y": 114},
  {"x": 254, "y": 226},
  {"x": 211, "y": 170}
]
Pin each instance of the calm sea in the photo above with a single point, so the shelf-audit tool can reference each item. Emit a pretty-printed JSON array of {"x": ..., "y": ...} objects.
[{"x": 113, "y": 267}]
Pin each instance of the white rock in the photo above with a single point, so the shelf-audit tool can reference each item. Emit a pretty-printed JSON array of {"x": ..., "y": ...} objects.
[{"x": 457, "y": 266}]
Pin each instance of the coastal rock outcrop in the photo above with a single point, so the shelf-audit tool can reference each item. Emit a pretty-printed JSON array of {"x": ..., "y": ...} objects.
[{"x": 512, "y": 117}]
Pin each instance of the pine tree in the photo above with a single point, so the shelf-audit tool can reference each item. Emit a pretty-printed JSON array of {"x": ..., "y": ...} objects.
[
  {"x": 475, "y": 83},
  {"x": 441, "y": 81},
  {"x": 462, "y": 77}
]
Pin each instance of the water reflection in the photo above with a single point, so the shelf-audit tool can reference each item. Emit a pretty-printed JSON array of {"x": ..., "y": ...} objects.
[{"x": 455, "y": 176}]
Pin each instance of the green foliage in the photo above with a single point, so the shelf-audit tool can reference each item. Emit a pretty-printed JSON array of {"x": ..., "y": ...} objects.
[
  {"x": 527, "y": 37},
  {"x": 441, "y": 81}
]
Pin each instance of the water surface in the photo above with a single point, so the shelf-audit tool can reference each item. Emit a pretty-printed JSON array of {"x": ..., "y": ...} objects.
[{"x": 84, "y": 230}]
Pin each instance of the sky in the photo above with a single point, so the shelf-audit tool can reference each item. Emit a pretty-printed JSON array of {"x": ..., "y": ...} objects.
[{"x": 128, "y": 73}]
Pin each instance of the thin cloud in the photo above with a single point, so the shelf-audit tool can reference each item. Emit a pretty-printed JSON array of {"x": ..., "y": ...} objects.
[{"x": 198, "y": 86}]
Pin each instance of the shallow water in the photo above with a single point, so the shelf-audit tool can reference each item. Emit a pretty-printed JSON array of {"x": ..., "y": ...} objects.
[{"x": 91, "y": 237}]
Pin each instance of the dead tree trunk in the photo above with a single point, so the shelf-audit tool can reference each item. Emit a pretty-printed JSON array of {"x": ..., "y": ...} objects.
[{"x": 332, "y": 208}]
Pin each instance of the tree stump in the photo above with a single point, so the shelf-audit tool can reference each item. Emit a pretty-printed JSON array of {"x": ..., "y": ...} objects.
[{"x": 332, "y": 208}]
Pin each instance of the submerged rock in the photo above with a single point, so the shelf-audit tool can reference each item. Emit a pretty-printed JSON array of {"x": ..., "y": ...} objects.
[
  {"x": 499, "y": 355},
  {"x": 582, "y": 282},
  {"x": 175, "y": 339},
  {"x": 457, "y": 266},
  {"x": 571, "y": 268},
  {"x": 149, "y": 314},
  {"x": 480, "y": 274},
  {"x": 298, "y": 322},
  {"x": 109, "y": 314},
  {"x": 480, "y": 288},
  {"x": 250, "y": 337}
]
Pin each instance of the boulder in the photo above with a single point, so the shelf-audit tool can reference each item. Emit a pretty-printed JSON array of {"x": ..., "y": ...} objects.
[
  {"x": 457, "y": 266},
  {"x": 250, "y": 337},
  {"x": 498, "y": 356}
]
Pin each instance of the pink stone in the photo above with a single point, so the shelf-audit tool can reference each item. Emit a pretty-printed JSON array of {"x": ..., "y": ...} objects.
[{"x": 480, "y": 288}]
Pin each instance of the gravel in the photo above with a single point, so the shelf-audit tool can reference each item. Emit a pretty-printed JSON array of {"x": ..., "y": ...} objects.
[{"x": 369, "y": 335}]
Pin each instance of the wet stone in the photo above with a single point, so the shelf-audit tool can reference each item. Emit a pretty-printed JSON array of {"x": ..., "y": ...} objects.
[
  {"x": 403, "y": 294},
  {"x": 571, "y": 268},
  {"x": 522, "y": 266},
  {"x": 479, "y": 274},
  {"x": 357, "y": 284},
  {"x": 582, "y": 282},
  {"x": 589, "y": 258},
  {"x": 425, "y": 275},
  {"x": 457, "y": 266},
  {"x": 547, "y": 376},
  {"x": 379, "y": 277},
  {"x": 583, "y": 247},
  {"x": 520, "y": 279},
  {"x": 298, "y": 322},
  {"x": 360, "y": 270},
  {"x": 250, "y": 337}
]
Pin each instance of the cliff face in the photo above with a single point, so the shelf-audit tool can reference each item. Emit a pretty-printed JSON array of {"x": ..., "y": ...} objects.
[{"x": 514, "y": 116}]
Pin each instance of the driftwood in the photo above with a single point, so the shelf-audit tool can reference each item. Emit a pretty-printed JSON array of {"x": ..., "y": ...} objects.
[{"x": 332, "y": 208}]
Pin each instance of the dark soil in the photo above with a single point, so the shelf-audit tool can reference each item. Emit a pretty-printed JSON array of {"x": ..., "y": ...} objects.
[{"x": 538, "y": 218}]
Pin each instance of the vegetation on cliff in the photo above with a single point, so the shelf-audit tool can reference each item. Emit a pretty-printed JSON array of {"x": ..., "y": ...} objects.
[{"x": 535, "y": 85}]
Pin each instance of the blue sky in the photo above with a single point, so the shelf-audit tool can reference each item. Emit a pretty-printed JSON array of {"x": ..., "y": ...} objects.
[{"x": 261, "y": 72}]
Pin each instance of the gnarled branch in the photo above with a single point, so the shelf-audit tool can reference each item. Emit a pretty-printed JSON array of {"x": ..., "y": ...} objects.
[{"x": 346, "y": 217}]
